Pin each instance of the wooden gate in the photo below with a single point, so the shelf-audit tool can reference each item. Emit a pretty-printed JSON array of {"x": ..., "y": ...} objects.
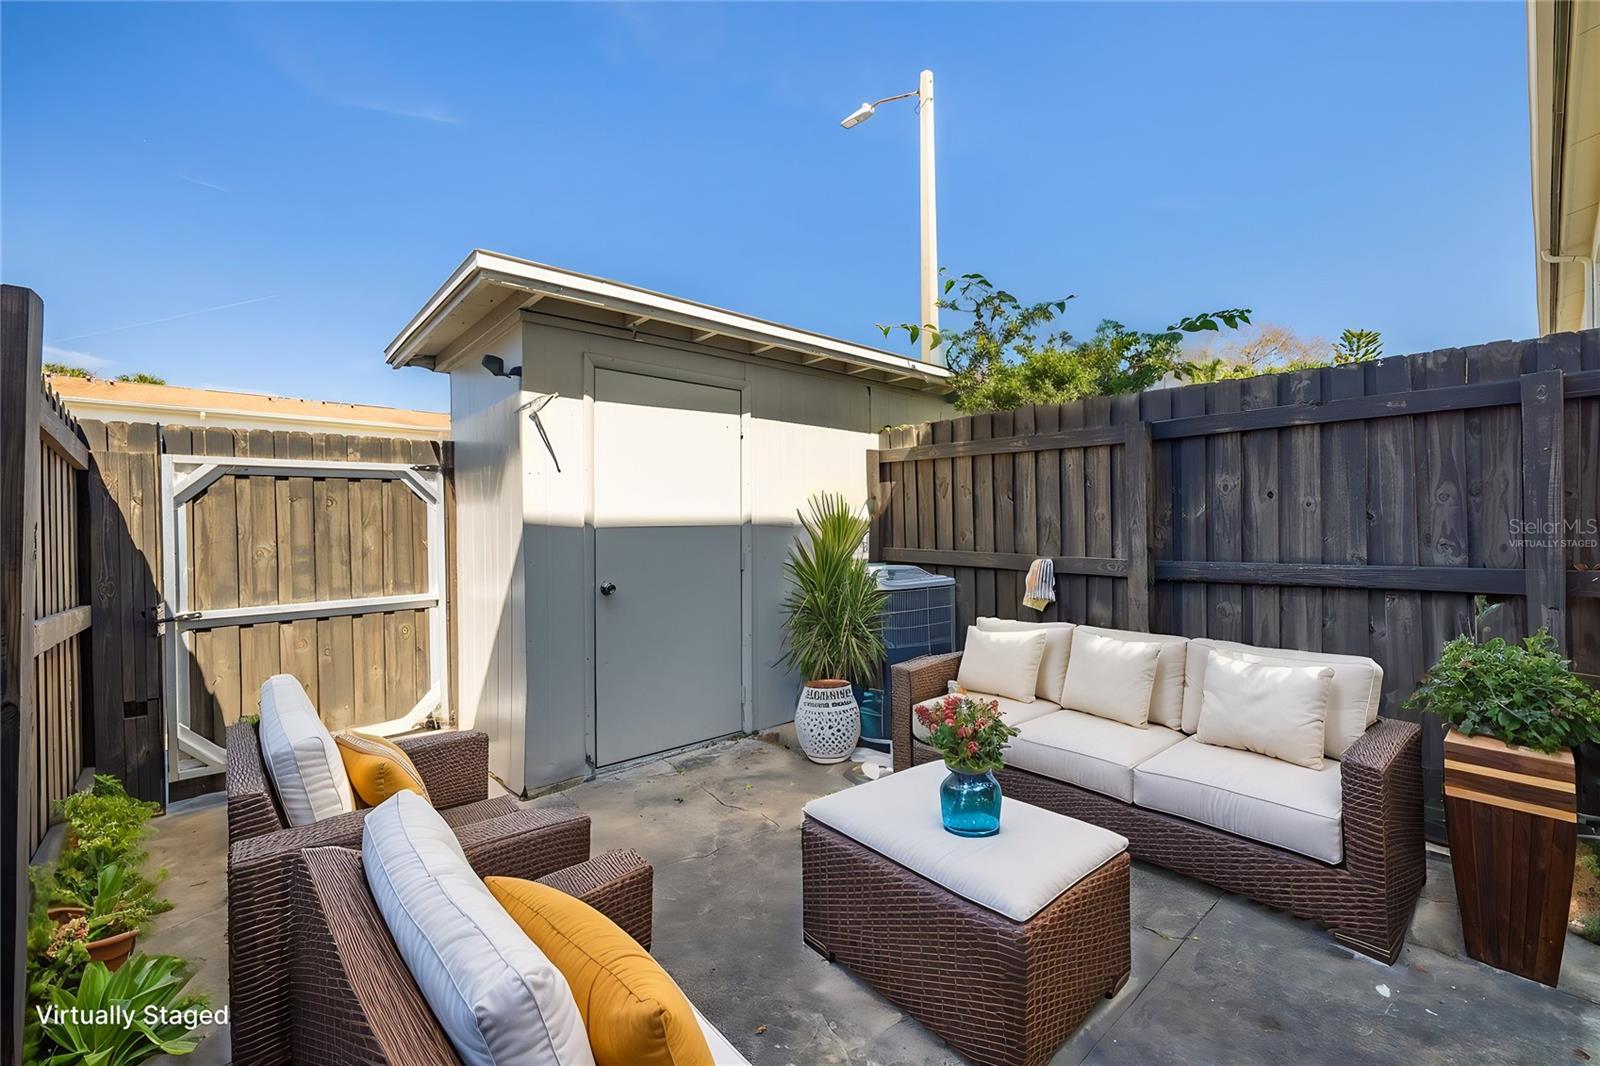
[{"x": 263, "y": 619}]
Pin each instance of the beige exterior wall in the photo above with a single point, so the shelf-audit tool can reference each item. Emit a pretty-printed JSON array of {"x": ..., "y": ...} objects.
[{"x": 805, "y": 431}]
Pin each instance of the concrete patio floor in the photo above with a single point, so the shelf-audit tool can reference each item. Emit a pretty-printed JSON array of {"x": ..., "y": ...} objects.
[{"x": 1216, "y": 979}]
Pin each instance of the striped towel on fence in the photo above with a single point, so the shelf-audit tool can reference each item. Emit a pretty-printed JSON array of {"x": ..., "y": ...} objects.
[{"x": 1040, "y": 588}]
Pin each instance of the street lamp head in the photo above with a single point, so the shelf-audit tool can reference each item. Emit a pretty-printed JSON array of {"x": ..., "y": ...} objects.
[{"x": 858, "y": 116}]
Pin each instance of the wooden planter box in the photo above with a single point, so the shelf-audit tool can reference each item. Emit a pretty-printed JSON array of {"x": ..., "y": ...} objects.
[{"x": 1513, "y": 821}]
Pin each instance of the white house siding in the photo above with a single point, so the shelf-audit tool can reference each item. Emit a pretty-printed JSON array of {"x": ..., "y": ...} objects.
[
  {"x": 489, "y": 612},
  {"x": 806, "y": 431}
]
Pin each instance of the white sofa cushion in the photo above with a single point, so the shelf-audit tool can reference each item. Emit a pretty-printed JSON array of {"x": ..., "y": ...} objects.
[
  {"x": 1081, "y": 749},
  {"x": 723, "y": 1053},
  {"x": 1166, "y": 698},
  {"x": 1353, "y": 698},
  {"x": 1006, "y": 664},
  {"x": 1036, "y": 856},
  {"x": 495, "y": 994},
  {"x": 1266, "y": 708},
  {"x": 1112, "y": 678},
  {"x": 300, "y": 755},
  {"x": 1011, "y": 712},
  {"x": 1266, "y": 800},
  {"x": 1057, "y": 649}
]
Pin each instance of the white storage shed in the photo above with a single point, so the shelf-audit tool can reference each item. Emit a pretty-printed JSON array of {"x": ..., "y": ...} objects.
[{"x": 628, "y": 467}]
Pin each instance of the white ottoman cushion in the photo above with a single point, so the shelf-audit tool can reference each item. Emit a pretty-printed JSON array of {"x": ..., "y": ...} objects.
[
  {"x": 1036, "y": 856},
  {"x": 497, "y": 997},
  {"x": 301, "y": 758}
]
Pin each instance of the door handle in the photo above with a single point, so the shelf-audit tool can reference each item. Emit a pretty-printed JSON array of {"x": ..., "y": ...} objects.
[{"x": 607, "y": 588}]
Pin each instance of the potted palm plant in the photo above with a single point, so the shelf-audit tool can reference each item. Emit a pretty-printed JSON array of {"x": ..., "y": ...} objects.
[
  {"x": 1515, "y": 712},
  {"x": 834, "y": 625}
]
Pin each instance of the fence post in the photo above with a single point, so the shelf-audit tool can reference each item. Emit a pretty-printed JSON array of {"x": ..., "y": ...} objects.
[
  {"x": 21, "y": 346},
  {"x": 1543, "y": 505},
  {"x": 1137, "y": 467}
]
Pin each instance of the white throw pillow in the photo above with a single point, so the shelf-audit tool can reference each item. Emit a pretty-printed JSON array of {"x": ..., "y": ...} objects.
[
  {"x": 1166, "y": 698},
  {"x": 1353, "y": 700},
  {"x": 301, "y": 758},
  {"x": 1273, "y": 710},
  {"x": 1057, "y": 648},
  {"x": 1005, "y": 664},
  {"x": 497, "y": 997},
  {"x": 1111, "y": 678}
]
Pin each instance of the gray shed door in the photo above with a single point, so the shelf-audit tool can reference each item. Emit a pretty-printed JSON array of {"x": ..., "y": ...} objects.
[{"x": 667, "y": 515}]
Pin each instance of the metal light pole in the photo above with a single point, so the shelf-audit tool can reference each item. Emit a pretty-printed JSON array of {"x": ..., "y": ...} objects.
[{"x": 929, "y": 211}]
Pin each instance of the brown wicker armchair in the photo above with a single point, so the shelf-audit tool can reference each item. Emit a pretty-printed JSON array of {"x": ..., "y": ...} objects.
[
  {"x": 263, "y": 848},
  {"x": 353, "y": 999},
  {"x": 1366, "y": 900}
]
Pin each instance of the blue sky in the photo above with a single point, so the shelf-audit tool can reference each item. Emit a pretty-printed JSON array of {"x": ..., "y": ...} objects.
[{"x": 258, "y": 197}]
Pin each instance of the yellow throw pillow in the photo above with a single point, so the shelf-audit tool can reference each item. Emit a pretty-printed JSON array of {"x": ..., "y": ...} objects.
[
  {"x": 377, "y": 768},
  {"x": 635, "y": 1014}
]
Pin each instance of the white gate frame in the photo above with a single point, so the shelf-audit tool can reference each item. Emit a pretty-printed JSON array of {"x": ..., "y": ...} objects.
[{"x": 185, "y": 477}]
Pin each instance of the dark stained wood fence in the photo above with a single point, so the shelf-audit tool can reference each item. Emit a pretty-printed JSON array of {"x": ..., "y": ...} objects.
[
  {"x": 44, "y": 671},
  {"x": 1354, "y": 509},
  {"x": 255, "y": 541}
]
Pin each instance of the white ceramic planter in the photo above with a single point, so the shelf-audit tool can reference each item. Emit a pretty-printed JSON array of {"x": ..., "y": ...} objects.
[{"x": 827, "y": 721}]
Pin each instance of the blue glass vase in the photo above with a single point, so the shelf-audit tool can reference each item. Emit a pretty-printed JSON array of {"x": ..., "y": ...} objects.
[{"x": 970, "y": 804}]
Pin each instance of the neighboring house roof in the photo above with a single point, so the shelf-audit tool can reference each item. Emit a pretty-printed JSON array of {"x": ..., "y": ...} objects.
[
  {"x": 482, "y": 294},
  {"x": 124, "y": 401},
  {"x": 1564, "y": 122}
]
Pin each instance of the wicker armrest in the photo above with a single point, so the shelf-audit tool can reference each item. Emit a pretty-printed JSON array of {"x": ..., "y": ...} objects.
[
  {"x": 528, "y": 843},
  {"x": 618, "y": 884},
  {"x": 251, "y": 808},
  {"x": 912, "y": 682},
  {"x": 1381, "y": 778},
  {"x": 454, "y": 765}
]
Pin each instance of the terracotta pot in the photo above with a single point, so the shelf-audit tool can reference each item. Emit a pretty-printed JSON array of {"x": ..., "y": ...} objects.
[
  {"x": 112, "y": 950},
  {"x": 64, "y": 914},
  {"x": 827, "y": 720},
  {"x": 1512, "y": 814}
]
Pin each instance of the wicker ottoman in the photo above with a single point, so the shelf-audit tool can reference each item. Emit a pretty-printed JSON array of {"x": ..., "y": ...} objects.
[{"x": 1000, "y": 945}]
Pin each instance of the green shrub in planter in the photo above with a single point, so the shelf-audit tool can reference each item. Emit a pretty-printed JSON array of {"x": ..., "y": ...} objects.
[{"x": 1524, "y": 695}]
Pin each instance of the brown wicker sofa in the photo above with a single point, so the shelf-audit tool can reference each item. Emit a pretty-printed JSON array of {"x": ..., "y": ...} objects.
[
  {"x": 263, "y": 850},
  {"x": 1366, "y": 899}
]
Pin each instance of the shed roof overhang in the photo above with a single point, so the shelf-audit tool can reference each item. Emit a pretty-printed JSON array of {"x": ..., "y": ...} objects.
[{"x": 488, "y": 287}]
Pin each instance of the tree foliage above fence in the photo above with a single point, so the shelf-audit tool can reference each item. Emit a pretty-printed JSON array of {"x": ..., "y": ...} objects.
[{"x": 1008, "y": 355}]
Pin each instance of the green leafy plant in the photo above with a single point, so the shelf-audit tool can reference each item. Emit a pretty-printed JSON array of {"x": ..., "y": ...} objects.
[
  {"x": 967, "y": 732},
  {"x": 1522, "y": 694},
  {"x": 65, "y": 371},
  {"x": 834, "y": 605},
  {"x": 1004, "y": 358},
  {"x": 105, "y": 827},
  {"x": 141, "y": 378},
  {"x": 1358, "y": 346},
  {"x": 117, "y": 1019}
]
